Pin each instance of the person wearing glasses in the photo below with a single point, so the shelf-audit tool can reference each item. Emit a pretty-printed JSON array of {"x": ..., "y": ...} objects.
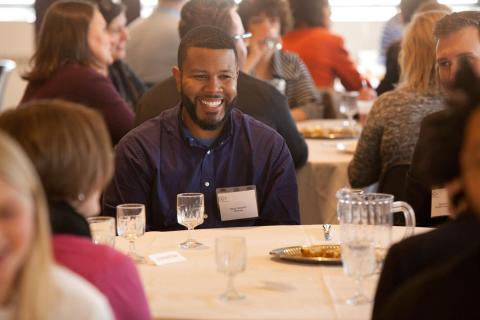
[
  {"x": 268, "y": 20},
  {"x": 255, "y": 97}
]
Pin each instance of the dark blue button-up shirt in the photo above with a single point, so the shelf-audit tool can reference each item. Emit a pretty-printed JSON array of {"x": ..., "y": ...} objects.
[{"x": 158, "y": 160}]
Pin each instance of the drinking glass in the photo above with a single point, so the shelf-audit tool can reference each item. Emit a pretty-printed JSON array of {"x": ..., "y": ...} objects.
[
  {"x": 103, "y": 230},
  {"x": 131, "y": 225},
  {"x": 348, "y": 106},
  {"x": 190, "y": 213},
  {"x": 230, "y": 256}
]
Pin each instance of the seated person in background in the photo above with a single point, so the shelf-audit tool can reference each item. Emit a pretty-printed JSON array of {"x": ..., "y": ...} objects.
[
  {"x": 204, "y": 144},
  {"x": 268, "y": 20},
  {"x": 457, "y": 35},
  {"x": 71, "y": 62},
  {"x": 255, "y": 97},
  {"x": 322, "y": 51},
  {"x": 393, "y": 124},
  {"x": 158, "y": 33},
  {"x": 31, "y": 285},
  {"x": 69, "y": 146},
  {"x": 435, "y": 275},
  {"x": 128, "y": 85},
  {"x": 408, "y": 9}
]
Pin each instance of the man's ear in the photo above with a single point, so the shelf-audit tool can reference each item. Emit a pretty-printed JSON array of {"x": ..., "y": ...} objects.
[{"x": 177, "y": 74}]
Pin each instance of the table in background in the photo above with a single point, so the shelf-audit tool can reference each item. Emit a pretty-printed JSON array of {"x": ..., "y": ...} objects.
[
  {"x": 324, "y": 173},
  {"x": 273, "y": 289}
]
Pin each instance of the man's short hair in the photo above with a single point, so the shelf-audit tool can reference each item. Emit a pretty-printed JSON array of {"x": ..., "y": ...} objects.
[
  {"x": 215, "y": 13},
  {"x": 455, "y": 22},
  {"x": 207, "y": 37}
]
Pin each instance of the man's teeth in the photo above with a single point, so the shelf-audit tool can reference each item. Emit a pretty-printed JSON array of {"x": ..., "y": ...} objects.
[{"x": 212, "y": 103}]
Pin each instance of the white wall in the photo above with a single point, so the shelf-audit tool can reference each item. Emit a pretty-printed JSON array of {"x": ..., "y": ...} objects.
[{"x": 17, "y": 39}]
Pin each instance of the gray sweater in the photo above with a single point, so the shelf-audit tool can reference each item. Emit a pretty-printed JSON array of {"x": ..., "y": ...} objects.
[{"x": 390, "y": 134}]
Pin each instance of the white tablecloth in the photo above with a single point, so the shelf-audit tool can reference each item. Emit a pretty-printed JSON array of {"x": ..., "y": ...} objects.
[
  {"x": 273, "y": 289},
  {"x": 324, "y": 173}
]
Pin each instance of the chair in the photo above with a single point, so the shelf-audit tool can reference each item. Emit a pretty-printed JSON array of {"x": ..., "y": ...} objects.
[
  {"x": 393, "y": 181},
  {"x": 6, "y": 67}
]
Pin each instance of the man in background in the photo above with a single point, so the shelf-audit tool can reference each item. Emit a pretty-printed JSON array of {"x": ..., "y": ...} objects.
[{"x": 152, "y": 47}]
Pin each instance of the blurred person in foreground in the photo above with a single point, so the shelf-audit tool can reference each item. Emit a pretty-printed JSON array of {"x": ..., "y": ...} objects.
[
  {"x": 69, "y": 146},
  {"x": 203, "y": 145},
  {"x": 436, "y": 274},
  {"x": 268, "y": 20},
  {"x": 393, "y": 124},
  {"x": 255, "y": 97},
  {"x": 457, "y": 36},
  {"x": 31, "y": 285},
  {"x": 127, "y": 83},
  {"x": 71, "y": 62},
  {"x": 152, "y": 47}
]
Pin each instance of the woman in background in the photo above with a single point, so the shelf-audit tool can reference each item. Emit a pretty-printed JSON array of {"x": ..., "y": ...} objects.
[
  {"x": 322, "y": 51},
  {"x": 268, "y": 20},
  {"x": 393, "y": 125},
  {"x": 127, "y": 83},
  {"x": 31, "y": 285},
  {"x": 71, "y": 62},
  {"x": 69, "y": 146}
]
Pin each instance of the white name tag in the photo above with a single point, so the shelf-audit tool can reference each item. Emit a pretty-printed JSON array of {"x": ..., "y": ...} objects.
[
  {"x": 439, "y": 203},
  {"x": 166, "y": 257},
  {"x": 237, "y": 203}
]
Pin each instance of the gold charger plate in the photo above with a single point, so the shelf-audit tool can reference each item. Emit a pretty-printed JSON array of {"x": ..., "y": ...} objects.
[
  {"x": 329, "y": 133},
  {"x": 318, "y": 254}
]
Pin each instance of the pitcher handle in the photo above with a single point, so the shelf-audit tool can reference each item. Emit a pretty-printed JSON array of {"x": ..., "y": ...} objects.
[{"x": 409, "y": 214}]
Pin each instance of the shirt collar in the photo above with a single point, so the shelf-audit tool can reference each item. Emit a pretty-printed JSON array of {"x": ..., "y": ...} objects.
[{"x": 177, "y": 126}]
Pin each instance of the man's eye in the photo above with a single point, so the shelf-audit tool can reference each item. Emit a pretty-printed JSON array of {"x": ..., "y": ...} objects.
[
  {"x": 225, "y": 77},
  {"x": 200, "y": 77},
  {"x": 444, "y": 64}
]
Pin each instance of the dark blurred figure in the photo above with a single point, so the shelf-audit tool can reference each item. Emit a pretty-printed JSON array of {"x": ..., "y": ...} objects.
[{"x": 436, "y": 275}]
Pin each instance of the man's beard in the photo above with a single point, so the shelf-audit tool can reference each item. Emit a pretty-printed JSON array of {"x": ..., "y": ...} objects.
[{"x": 203, "y": 124}]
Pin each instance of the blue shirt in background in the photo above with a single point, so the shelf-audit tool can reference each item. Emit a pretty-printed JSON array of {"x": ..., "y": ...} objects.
[{"x": 158, "y": 160}]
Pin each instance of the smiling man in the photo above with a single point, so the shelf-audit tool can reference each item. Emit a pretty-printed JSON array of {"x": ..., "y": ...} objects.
[{"x": 206, "y": 145}]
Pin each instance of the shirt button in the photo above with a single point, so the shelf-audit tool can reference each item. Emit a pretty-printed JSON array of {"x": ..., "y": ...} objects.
[
  {"x": 208, "y": 152},
  {"x": 207, "y": 184}
]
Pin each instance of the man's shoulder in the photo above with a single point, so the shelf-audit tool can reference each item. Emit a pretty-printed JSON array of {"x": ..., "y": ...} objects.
[
  {"x": 258, "y": 128},
  {"x": 148, "y": 133}
]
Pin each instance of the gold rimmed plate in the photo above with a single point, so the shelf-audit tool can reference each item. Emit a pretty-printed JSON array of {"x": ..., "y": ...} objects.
[
  {"x": 330, "y": 133},
  {"x": 317, "y": 254}
]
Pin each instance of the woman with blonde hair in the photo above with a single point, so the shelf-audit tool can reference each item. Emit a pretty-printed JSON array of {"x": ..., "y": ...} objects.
[
  {"x": 393, "y": 125},
  {"x": 69, "y": 146},
  {"x": 31, "y": 285}
]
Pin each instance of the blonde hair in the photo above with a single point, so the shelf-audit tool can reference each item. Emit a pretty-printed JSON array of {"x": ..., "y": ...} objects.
[
  {"x": 417, "y": 55},
  {"x": 33, "y": 286}
]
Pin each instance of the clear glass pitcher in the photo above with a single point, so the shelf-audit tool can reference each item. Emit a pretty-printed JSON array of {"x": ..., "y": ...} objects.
[{"x": 376, "y": 211}]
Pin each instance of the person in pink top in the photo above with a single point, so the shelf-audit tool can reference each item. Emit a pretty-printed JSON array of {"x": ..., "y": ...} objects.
[{"x": 71, "y": 150}]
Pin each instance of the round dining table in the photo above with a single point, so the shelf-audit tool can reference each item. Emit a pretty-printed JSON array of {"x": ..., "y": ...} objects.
[
  {"x": 273, "y": 288},
  {"x": 324, "y": 173}
]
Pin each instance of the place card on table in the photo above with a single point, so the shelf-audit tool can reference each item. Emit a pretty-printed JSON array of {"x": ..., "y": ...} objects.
[
  {"x": 237, "y": 203},
  {"x": 166, "y": 257}
]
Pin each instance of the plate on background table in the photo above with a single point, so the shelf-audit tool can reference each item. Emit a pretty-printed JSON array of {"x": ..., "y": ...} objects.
[
  {"x": 317, "y": 254},
  {"x": 347, "y": 147},
  {"x": 317, "y": 132}
]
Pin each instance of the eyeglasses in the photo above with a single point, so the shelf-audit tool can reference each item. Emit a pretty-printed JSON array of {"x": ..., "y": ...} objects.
[{"x": 244, "y": 36}]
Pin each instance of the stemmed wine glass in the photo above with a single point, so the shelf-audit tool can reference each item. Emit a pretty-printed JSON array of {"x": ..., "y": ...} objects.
[
  {"x": 131, "y": 225},
  {"x": 230, "y": 256},
  {"x": 348, "y": 106},
  {"x": 190, "y": 213}
]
